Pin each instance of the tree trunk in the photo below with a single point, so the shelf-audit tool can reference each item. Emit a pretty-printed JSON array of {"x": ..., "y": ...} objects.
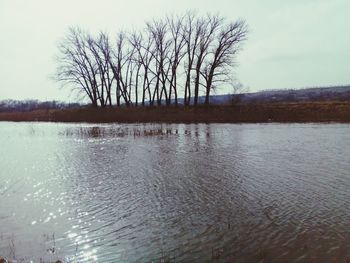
[
  {"x": 196, "y": 89},
  {"x": 207, "y": 90}
]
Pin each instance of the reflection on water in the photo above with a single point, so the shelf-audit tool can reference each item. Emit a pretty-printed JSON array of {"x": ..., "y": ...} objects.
[
  {"x": 175, "y": 193},
  {"x": 115, "y": 131}
]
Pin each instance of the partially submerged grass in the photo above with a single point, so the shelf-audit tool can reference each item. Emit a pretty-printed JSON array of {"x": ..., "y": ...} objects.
[{"x": 3, "y": 260}]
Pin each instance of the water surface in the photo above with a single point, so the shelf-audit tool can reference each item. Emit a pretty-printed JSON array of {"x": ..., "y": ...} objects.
[{"x": 175, "y": 193}]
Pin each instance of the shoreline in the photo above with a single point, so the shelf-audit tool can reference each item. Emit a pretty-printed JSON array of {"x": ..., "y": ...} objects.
[{"x": 286, "y": 112}]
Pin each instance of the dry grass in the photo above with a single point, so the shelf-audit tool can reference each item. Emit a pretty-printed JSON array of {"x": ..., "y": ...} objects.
[{"x": 333, "y": 111}]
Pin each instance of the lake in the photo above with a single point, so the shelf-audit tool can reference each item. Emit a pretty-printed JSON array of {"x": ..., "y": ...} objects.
[{"x": 175, "y": 192}]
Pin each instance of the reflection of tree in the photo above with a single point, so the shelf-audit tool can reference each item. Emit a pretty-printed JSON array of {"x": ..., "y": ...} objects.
[{"x": 95, "y": 132}]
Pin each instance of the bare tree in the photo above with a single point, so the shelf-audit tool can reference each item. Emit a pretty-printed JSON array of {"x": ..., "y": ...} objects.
[
  {"x": 177, "y": 52},
  {"x": 101, "y": 50},
  {"x": 191, "y": 38},
  {"x": 152, "y": 62},
  {"x": 219, "y": 67},
  {"x": 76, "y": 66},
  {"x": 121, "y": 64},
  {"x": 206, "y": 28},
  {"x": 143, "y": 57},
  {"x": 160, "y": 51}
]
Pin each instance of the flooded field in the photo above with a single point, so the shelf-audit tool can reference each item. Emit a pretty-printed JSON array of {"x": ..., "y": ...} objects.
[{"x": 175, "y": 193}]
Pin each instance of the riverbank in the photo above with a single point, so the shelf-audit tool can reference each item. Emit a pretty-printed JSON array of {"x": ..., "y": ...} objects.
[{"x": 333, "y": 111}]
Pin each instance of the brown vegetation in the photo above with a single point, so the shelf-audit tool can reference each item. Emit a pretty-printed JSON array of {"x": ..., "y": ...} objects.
[{"x": 251, "y": 113}]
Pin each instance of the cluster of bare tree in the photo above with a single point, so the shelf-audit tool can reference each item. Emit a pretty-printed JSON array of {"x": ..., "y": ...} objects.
[{"x": 185, "y": 53}]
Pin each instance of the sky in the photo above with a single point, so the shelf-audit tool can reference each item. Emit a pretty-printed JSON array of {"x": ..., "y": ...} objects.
[{"x": 291, "y": 43}]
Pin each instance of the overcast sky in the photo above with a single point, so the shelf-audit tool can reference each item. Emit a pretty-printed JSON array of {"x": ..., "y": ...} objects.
[{"x": 292, "y": 43}]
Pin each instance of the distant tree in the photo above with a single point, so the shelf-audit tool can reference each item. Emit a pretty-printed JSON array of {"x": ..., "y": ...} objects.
[
  {"x": 237, "y": 92},
  {"x": 30, "y": 105}
]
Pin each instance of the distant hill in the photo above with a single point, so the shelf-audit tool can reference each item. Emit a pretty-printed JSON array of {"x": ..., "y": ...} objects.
[{"x": 308, "y": 94}]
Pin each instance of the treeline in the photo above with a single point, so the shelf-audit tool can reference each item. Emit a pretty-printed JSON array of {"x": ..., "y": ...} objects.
[
  {"x": 178, "y": 56},
  {"x": 30, "y": 105}
]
